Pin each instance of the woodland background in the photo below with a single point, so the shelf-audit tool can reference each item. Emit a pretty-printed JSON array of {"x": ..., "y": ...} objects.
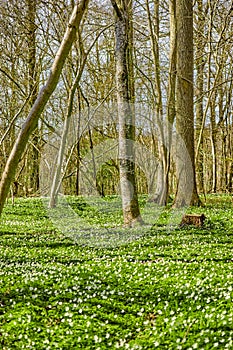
[{"x": 31, "y": 32}]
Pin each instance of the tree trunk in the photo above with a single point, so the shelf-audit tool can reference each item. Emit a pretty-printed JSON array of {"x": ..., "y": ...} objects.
[
  {"x": 32, "y": 86},
  {"x": 160, "y": 195},
  {"x": 200, "y": 65},
  {"x": 213, "y": 139},
  {"x": 56, "y": 184},
  {"x": 57, "y": 174},
  {"x": 171, "y": 110},
  {"x": 185, "y": 163},
  {"x": 77, "y": 185},
  {"x": 131, "y": 212},
  {"x": 43, "y": 97}
]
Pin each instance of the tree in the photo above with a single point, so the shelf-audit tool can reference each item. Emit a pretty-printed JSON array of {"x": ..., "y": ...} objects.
[
  {"x": 185, "y": 160},
  {"x": 158, "y": 70},
  {"x": 200, "y": 41},
  {"x": 171, "y": 98},
  {"x": 31, "y": 32},
  {"x": 160, "y": 195},
  {"x": 43, "y": 97},
  {"x": 57, "y": 173},
  {"x": 32, "y": 90},
  {"x": 13, "y": 94},
  {"x": 131, "y": 212},
  {"x": 213, "y": 86}
]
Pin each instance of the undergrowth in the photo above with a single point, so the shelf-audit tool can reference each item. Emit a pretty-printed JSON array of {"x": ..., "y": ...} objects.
[{"x": 167, "y": 288}]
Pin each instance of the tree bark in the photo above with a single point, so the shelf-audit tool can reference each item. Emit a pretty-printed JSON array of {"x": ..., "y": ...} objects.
[
  {"x": 200, "y": 65},
  {"x": 130, "y": 206},
  {"x": 160, "y": 195},
  {"x": 185, "y": 161},
  {"x": 43, "y": 97},
  {"x": 32, "y": 87},
  {"x": 171, "y": 109},
  {"x": 213, "y": 139}
]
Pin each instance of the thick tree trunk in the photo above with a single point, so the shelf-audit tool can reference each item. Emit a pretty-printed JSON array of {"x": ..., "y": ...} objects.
[
  {"x": 200, "y": 65},
  {"x": 43, "y": 97},
  {"x": 131, "y": 212},
  {"x": 171, "y": 110},
  {"x": 185, "y": 162}
]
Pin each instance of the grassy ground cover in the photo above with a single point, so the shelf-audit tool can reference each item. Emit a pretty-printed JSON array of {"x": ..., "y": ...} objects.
[{"x": 167, "y": 289}]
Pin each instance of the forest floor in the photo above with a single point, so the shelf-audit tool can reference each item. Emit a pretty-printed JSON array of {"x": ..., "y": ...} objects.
[{"x": 96, "y": 285}]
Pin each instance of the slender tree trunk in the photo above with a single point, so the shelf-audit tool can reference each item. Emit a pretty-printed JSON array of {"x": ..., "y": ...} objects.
[
  {"x": 230, "y": 178},
  {"x": 131, "y": 212},
  {"x": 222, "y": 180},
  {"x": 57, "y": 179},
  {"x": 213, "y": 139},
  {"x": 185, "y": 162},
  {"x": 77, "y": 184},
  {"x": 32, "y": 84},
  {"x": 57, "y": 175},
  {"x": 229, "y": 128},
  {"x": 160, "y": 196},
  {"x": 43, "y": 97}
]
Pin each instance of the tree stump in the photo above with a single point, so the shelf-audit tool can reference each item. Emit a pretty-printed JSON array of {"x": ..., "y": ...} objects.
[{"x": 193, "y": 219}]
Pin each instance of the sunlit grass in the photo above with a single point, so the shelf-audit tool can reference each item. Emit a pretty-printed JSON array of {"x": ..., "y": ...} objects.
[{"x": 167, "y": 289}]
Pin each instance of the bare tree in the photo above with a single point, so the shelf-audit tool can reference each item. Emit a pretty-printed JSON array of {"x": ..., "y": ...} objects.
[
  {"x": 56, "y": 183},
  {"x": 200, "y": 60},
  {"x": 43, "y": 97},
  {"x": 160, "y": 195},
  {"x": 171, "y": 110},
  {"x": 131, "y": 212},
  {"x": 185, "y": 160},
  {"x": 33, "y": 90}
]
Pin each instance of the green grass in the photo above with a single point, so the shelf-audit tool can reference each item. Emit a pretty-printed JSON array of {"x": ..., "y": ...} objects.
[{"x": 168, "y": 288}]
